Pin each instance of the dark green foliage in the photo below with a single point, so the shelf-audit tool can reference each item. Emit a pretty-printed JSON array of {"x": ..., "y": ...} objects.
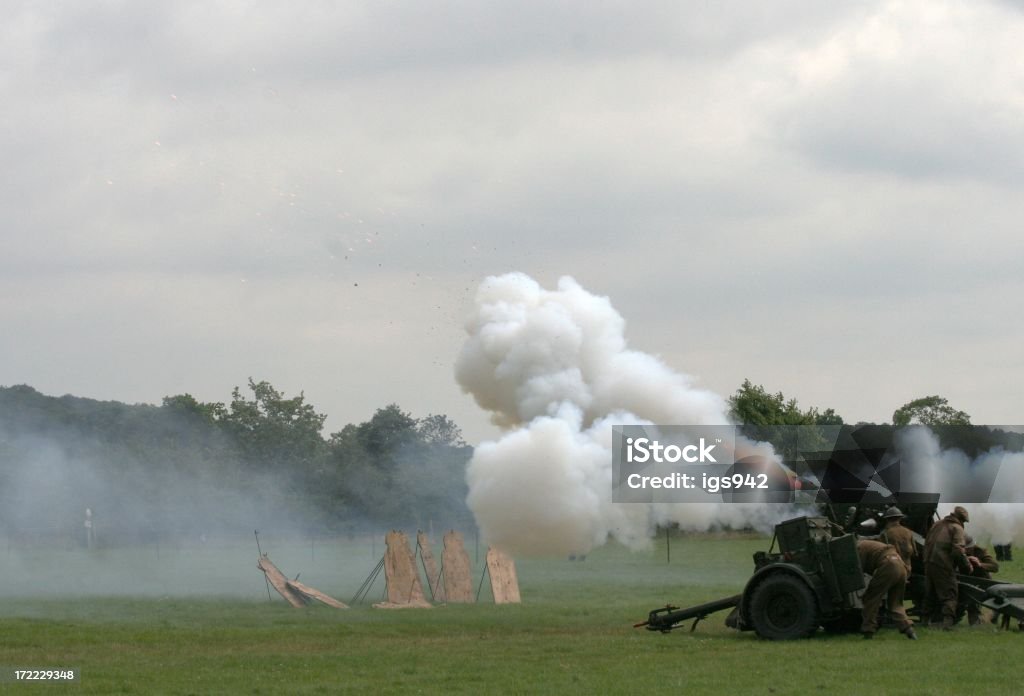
[
  {"x": 439, "y": 430},
  {"x": 187, "y": 406},
  {"x": 387, "y": 432},
  {"x": 929, "y": 410},
  {"x": 771, "y": 418},
  {"x": 395, "y": 469},
  {"x": 753, "y": 405},
  {"x": 272, "y": 430},
  {"x": 766, "y": 417}
]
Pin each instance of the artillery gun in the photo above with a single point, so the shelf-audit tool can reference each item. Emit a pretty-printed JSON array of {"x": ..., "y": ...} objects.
[{"x": 815, "y": 580}]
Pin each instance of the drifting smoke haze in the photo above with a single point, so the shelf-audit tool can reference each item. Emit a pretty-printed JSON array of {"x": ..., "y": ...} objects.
[
  {"x": 996, "y": 475},
  {"x": 46, "y": 495},
  {"x": 554, "y": 369},
  {"x": 166, "y": 522},
  {"x": 176, "y": 494}
]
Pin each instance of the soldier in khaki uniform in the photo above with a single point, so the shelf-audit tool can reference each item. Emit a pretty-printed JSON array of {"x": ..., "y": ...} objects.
[
  {"x": 898, "y": 535},
  {"x": 943, "y": 555},
  {"x": 888, "y": 582},
  {"x": 982, "y": 566}
]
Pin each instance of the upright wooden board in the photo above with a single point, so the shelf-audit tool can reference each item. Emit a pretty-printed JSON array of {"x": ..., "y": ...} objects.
[
  {"x": 430, "y": 565},
  {"x": 504, "y": 583},
  {"x": 313, "y": 593},
  {"x": 402, "y": 577},
  {"x": 280, "y": 582},
  {"x": 458, "y": 583}
]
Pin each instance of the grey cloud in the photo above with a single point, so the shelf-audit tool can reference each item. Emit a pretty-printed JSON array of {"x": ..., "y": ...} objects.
[
  {"x": 302, "y": 192},
  {"x": 906, "y": 129},
  {"x": 909, "y": 89},
  {"x": 215, "y": 44}
]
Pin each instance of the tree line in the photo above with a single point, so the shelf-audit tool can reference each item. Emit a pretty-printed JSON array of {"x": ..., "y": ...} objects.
[
  {"x": 189, "y": 467},
  {"x": 768, "y": 417}
]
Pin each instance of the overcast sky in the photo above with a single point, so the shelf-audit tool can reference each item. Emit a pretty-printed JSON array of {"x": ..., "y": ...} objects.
[{"x": 823, "y": 197}]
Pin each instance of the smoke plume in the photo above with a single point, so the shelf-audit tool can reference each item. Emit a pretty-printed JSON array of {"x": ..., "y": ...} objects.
[
  {"x": 553, "y": 368},
  {"x": 995, "y": 475}
]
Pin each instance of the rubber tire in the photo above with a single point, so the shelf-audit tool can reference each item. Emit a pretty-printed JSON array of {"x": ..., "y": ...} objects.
[{"x": 782, "y": 607}]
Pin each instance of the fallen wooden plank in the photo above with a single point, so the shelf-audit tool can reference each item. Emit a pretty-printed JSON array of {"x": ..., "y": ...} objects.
[
  {"x": 458, "y": 582},
  {"x": 280, "y": 582},
  {"x": 407, "y": 605},
  {"x": 313, "y": 593},
  {"x": 504, "y": 583}
]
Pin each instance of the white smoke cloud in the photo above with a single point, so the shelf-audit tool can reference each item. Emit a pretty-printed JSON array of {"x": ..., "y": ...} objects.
[
  {"x": 929, "y": 467},
  {"x": 1002, "y": 520},
  {"x": 996, "y": 475},
  {"x": 529, "y": 350},
  {"x": 552, "y": 366}
]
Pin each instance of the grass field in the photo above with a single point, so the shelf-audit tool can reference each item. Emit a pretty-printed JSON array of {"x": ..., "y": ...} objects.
[{"x": 205, "y": 626}]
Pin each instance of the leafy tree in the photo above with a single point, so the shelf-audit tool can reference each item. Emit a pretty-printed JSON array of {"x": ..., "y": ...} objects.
[
  {"x": 188, "y": 467},
  {"x": 396, "y": 469},
  {"x": 770, "y": 418},
  {"x": 753, "y": 405},
  {"x": 364, "y": 461},
  {"x": 929, "y": 410},
  {"x": 826, "y": 417},
  {"x": 388, "y": 430},
  {"x": 273, "y": 430},
  {"x": 187, "y": 404},
  {"x": 439, "y": 430}
]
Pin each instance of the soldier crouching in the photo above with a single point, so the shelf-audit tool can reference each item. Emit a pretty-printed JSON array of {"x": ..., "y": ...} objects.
[{"x": 888, "y": 582}]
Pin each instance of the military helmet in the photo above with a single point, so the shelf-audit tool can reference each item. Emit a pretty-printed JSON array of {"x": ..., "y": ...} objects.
[
  {"x": 961, "y": 513},
  {"x": 968, "y": 540},
  {"x": 893, "y": 512}
]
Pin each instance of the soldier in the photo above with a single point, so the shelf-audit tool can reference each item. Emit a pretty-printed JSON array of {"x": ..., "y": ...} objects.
[
  {"x": 943, "y": 555},
  {"x": 898, "y": 535},
  {"x": 982, "y": 566},
  {"x": 888, "y": 581}
]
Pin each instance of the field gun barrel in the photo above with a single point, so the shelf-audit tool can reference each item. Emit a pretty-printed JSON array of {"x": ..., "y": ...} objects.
[
  {"x": 669, "y": 617},
  {"x": 1004, "y": 598}
]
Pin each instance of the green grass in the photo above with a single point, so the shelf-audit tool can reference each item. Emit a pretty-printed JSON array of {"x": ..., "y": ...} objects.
[{"x": 572, "y": 634}]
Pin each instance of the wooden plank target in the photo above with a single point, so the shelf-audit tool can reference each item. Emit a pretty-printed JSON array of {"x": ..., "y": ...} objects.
[
  {"x": 400, "y": 570},
  {"x": 313, "y": 593},
  {"x": 504, "y": 583},
  {"x": 434, "y": 582},
  {"x": 458, "y": 582},
  {"x": 280, "y": 582}
]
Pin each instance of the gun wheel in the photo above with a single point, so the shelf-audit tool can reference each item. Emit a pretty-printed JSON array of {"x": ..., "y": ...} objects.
[{"x": 783, "y": 608}]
